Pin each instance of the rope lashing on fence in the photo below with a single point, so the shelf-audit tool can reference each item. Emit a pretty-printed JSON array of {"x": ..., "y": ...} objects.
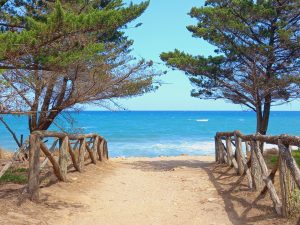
[{"x": 254, "y": 166}]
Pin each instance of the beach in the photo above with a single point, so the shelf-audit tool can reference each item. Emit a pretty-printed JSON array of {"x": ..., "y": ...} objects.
[
  {"x": 121, "y": 112},
  {"x": 190, "y": 190}
]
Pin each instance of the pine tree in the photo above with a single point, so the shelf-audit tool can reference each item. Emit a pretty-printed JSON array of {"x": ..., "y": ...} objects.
[
  {"x": 257, "y": 54},
  {"x": 56, "y": 55}
]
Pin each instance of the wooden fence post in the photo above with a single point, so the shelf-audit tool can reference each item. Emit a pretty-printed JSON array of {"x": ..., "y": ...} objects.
[
  {"x": 221, "y": 151},
  {"x": 101, "y": 150},
  {"x": 34, "y": 167},
  {"x": 290, "y": 162},
  {"x": 73, "y": 157},
  {"x": 63, "y": 157},
  {"x": 229, "y": 151},
  {"x": 105, "y": 150},
  {"x": 239, "y": 154},
  {"x": 248, "y": 150},
  {"x": 284, "y": 176},
  {"x": 216, "y": 149},
  {"x": 95, "y": 147},
  {"x": 256, "y": 173},
  {"x": 81, "y": 154},
  {"x": 56, "y": 167},
  {"x": 91, "y": 153},
  {"x": 276, "y": 201},
  {"x": 287, "y": 167}
]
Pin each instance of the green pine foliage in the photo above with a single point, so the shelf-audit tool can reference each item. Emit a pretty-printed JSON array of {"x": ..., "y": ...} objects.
[{"x": 59, "y": 25}]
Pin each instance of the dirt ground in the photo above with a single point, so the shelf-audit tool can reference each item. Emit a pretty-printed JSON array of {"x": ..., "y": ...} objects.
[{"x": 150, "y": 191}]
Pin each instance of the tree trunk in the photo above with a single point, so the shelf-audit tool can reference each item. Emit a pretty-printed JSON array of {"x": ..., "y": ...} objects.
[
  {"x": 259, "y": 119},
  {"x": 42, "y": 124},
  {"x": 262, "y": 119},
  {"x": 266, "y": 115},
  {"x": 34, "y": 167}
]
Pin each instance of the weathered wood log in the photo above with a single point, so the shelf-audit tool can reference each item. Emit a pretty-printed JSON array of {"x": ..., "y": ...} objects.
[
  {"x": 231, "y": 155},
  {"x": 105, "y": 150},
  {"x": 52, "y": 148},
  {"x": 290, "y": 162},
  {"x": 284, "y": 175},
  {"x": 63, "y": 156},
  {"x": 248, "y": 173},
  {"x": 221, "y": 151},
  {"x": 54, "y": 163},
  {"x": 276, "y": 201},
  {"x": 239, "y": 154},
  {"x": 90, "y": 151},
  {"x": 34, "y": 167},
  {"x": 256, "y": 173},
  {"x": 15, "y": 157},
  {"x": 234, "y": 163},
  {"x": 229, "y": 151},
  {"x": 76, "y": 145},
  {"x": 224, "y": 134},
  {"x": 44, "y": 163},
  {"x": 271, "y": 177},
  {"x": 82, "y": 149},
  {"x": 73, "y": 157},
  {"x": 95, "y": 147},
  {"x": 44, "y": 134},
  {"x": 5, "y": 168},
  {"x": 248, "y": 149},
  {"x": 101, "y": 150},
  {"x": 225, "y": 156},
  {"x": 216, "y": 149},
  {"x": 285, "y": 139}
]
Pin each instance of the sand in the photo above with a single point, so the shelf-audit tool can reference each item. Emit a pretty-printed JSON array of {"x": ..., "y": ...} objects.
[{"x": 181, "y": 190}]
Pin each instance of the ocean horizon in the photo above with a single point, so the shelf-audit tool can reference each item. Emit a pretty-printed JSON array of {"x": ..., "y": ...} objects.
[{"x": 157, "y": 133}]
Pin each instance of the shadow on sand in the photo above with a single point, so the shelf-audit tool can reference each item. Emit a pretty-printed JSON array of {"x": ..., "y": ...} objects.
[{"x": 239, "y": 201}]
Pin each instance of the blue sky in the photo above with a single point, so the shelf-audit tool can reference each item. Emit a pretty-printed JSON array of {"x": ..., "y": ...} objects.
[{"x": 164, "y": 29}]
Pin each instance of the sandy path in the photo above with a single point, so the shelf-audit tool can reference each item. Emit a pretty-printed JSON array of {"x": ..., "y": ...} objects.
[
  {"x": 141, "y": 191},
  {"x": 152, "y": 192}
]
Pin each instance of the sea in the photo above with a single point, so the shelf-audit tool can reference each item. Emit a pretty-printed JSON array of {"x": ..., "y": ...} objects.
[{"x": 156, "y": 133}]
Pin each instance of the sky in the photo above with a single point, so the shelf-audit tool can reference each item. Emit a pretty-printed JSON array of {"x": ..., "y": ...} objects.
[{"x": 164, "y": 29}]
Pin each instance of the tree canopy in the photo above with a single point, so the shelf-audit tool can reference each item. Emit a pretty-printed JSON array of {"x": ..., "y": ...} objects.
[
  {"x": 55, "y": 55},
  {"x": 257, "y": 46}
]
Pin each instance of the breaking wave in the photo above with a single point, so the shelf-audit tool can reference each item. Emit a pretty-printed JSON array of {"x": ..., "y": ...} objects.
[
  {"x": 202, "y": 120},
  {"x": 166, "y": 149}
]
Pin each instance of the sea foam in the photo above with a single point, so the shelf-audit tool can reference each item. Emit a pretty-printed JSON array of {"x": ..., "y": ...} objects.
[{"x": 202, "y": 120}]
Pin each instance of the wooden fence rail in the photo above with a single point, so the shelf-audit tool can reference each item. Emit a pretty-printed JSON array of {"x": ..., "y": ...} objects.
[
  {"x": 86, "y": 146},
  {"x": 254, "y": 167}
]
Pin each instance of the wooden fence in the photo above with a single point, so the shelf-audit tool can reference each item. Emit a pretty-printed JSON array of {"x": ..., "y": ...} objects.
[
  {"x": 228, "y": 147},
  {"x": 75, "y": 147}
]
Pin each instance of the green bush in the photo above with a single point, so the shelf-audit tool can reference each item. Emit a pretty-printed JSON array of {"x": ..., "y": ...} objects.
[
  {"x": 296, "y": 155},
  {"x": 272, "y": 159},
  {"x": 18, "y": 176}
]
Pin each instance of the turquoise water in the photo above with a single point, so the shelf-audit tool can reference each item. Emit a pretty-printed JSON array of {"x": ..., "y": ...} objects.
[{"x": 160, "y": 133}]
